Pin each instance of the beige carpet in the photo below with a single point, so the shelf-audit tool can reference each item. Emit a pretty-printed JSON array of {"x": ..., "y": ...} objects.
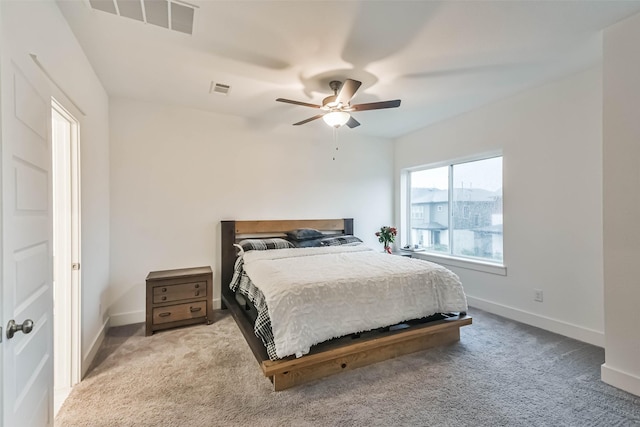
[{"x": 502, "y": 373}]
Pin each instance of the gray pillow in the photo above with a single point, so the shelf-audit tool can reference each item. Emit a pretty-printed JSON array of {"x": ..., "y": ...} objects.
[{"x": 304, "y": 234}]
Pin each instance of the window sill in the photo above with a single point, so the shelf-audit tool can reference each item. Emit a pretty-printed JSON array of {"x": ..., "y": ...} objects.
[{"x": 450, "y": 261}]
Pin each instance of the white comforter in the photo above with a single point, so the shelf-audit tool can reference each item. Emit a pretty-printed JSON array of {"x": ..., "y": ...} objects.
[{"x": 315, "y": 294}]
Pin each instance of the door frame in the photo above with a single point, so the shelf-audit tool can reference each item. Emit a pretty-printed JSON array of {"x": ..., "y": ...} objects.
[
  {"x": 67, "y": 309},
  {"x": 1, "y": 233}
]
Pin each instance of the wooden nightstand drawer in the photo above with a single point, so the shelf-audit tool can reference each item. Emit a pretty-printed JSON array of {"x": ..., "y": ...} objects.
[
  {"x": 177, "y": 298},
  {"x": 179, "y": 292},
  {"x": 173, "y": 313}
]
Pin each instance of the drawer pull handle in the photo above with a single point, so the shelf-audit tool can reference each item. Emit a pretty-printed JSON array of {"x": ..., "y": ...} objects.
[
  {"x": 165, "y": 314},
  {"x": 197, "y": 293},
  {"x": 195, "y": 309},
  {"x": 197, "y": 285},
  {"x": 164, "y": 298},
  {"x": 164, "y": 289}
]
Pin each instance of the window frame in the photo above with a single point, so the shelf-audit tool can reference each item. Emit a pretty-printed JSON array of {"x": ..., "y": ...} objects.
[{"x": 449, "y": 259}]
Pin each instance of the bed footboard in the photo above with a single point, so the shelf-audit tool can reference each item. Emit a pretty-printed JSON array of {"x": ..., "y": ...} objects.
[{"x": 291, "y": 372}]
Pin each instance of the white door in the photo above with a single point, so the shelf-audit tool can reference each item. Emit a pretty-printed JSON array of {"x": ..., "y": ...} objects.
[{"x": 26, "y": 261}]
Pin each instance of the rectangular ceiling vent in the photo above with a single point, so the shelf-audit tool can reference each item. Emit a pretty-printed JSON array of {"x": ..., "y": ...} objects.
[
  {"x": 219, "y": 88},
  {"x": 171, "y": 14}
]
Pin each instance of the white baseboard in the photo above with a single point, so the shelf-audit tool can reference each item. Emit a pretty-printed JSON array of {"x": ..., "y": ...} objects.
[
  {"x": 131, "y": 317},
  {"x": 619, "y": 379},
  {"x": 579, "y": 333},
  {"x": 93, "y": 350}
]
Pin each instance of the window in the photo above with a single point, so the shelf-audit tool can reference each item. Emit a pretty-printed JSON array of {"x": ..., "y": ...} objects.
[{"x": 461, "y": 209}]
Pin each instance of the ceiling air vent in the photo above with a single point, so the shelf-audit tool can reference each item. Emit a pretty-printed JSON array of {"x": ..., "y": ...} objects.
[
  {"x": 219, "y": 88},
  {"x": 171, "y": 14}
]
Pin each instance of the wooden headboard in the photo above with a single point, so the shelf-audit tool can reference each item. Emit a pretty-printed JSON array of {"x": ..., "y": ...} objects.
[{"x": 234, "y": 231}]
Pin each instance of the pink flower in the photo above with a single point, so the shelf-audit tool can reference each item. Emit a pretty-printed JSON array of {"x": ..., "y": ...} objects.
[{"x": 386, "y": 236}]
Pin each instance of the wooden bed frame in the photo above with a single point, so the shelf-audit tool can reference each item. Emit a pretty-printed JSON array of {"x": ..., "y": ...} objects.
[{"x": 333, "y": 356}]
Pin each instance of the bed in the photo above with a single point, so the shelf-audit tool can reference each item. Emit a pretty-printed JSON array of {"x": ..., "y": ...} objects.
[{"x": 298, "y": 353}]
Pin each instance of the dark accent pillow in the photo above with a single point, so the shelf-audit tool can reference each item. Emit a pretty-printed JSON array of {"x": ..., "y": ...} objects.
[
  {"x": 264, "y": 244},
  {"x": 340, "y": 240},
  {"x": 304, "y": 234},
  {"x": 309, "y": 243}
]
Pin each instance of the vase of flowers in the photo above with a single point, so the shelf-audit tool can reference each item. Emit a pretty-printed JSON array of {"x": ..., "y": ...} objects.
[{"x": 386, "y": 236}]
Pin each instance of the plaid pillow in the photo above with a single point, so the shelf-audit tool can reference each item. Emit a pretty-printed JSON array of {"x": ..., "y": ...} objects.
[
  {"x": 264, "y": 244},
  {"x": 340, "y": 240},
  {"x": 309, "y": 243}
]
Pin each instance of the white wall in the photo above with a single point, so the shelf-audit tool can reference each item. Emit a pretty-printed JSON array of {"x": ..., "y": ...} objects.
[
  {"x": 551, "y": 141},
  {"x": 177, "y": 172},
  {"x": 621, "y": 124},
  {"x": 39, "y": 28}
]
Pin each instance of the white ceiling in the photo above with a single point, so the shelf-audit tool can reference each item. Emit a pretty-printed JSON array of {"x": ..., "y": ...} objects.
[{"x": 441, "y": 58}]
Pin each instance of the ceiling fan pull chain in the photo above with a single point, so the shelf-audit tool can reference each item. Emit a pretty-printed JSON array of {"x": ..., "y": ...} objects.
[{"x": 335, "y": 141}]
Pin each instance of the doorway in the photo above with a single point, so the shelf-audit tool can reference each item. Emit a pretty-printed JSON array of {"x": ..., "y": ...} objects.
[{"x": 66, "y": 252}]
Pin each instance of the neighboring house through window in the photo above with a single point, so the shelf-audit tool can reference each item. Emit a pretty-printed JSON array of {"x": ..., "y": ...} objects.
[{"x": 456, "y": 209}]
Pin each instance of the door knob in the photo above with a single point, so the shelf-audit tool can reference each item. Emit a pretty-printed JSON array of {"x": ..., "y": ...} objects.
[{"x": 13, "y": 327}]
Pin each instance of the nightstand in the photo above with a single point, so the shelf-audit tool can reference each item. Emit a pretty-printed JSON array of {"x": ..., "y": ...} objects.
[{"x": 178, "y": 298}]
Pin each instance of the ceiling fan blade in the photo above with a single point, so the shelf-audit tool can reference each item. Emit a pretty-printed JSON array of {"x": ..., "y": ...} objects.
[
  {"x": 375, "y": 105},
  {"x": 308, "y": 120},
  {"x": 304, "y": 104},
  {"x": 352, "y": 122},
  {"x": 348, "y": 89}
]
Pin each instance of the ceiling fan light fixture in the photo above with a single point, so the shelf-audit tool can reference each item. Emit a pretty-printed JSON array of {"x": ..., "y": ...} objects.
[
  {"x": 336, "y": 118},
  {"x": 336, "y": 108}
]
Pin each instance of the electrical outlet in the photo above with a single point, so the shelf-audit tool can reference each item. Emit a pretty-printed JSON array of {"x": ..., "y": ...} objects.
[{"x": 537, "y": 295}]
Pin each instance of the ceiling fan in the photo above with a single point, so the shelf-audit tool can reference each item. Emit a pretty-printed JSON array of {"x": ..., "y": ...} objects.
[{"x": 337, "y": 108}]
